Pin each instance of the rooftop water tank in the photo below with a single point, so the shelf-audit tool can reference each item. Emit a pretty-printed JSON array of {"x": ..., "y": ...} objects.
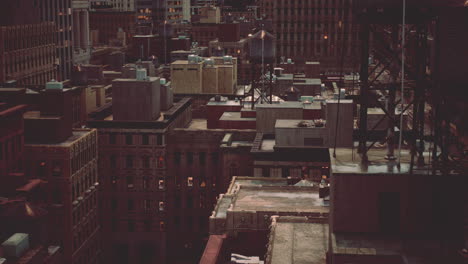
[
  {"x": 289, "y": 61},
  {"x": 162, "y": 81},
  {"x": 141, "y": 74},
  {"x": 209, "y": 62},
  {"x": 194, "y": 58},
  {"x": 263, "y": 47},
  {"x": 54, "y": 85},
  {"x": 227, "y": 59}
]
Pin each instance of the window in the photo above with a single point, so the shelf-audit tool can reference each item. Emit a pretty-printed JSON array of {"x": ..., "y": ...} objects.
[
  {"x": 146, "y": 183},
  {"x": 130, "y": 182},
  {"x": 202, "y": 158},
  {"x": 147, "y": 205},
  {"x": 114, "y": 205},
  {"x": 189, "y": 157},
  {"x": 177, "y": 157},
  {"x": 128, "y": 139},
  {"x": 42, "y": 169},
  {"x": 159, "y": 140},
  {"x": 161, "y": 206},
  {"x": 131, "y": 205},
  {"x": 161, "y": 184},
  {"x": 189, "y": 202},
  {"x": 145, "y": 139},
  {"x": 131, "y": 226},
  {"x": 161, "y": 225},
  {"x": 161, "y": 162},
  {"x": 190, "y": 181},
  {"x": 146, "y": 162},
  {"x": 112, "y": 139},
  {"x": 57, "y": 169},
  {"x": 215, "y": 157},
  {"x": 129, "y": 161},
  {"x": 113, "y": 162}
]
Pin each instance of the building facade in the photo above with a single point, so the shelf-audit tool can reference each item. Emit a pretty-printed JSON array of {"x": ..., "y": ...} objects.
[
  {"x": 59, "y": 12},
  {"x": 27, "y": 45},
  {"x": 123, "y": 5},
  {"x": 157, "y": 11},
  {"x": 11, "y": 138},
  {"x": 66, "y": 159},
  {"x": 314, "y": 29},
  {"x": 135, "y": 181}
]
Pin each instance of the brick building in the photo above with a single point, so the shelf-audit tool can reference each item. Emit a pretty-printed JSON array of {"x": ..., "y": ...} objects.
[
  {"x": 314, "y": 29},
  {"x": 201, "y": 163},
  {"x": 66, "y": 159},
  {"x": 11, "y": 138},
  {"x": 134, "y": 175}
]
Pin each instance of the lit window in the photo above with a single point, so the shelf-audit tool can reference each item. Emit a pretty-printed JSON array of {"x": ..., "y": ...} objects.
[
  {"x": 190, "y": 181},
  {"x": 161, "y": 184}
]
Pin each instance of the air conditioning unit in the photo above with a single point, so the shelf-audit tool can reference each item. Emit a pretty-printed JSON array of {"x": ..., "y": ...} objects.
[{"x": 161, "y": 206}]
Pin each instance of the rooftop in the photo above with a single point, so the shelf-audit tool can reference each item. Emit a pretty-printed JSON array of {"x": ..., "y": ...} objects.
[
  {"x": 103, "y": 117},
  {"x": 295, "y": 123},
  {"x": 284, "y": 105},
  {"x": 297, "y": 240},
  {"x": 235, "y": 116},
  {"x": 278, "y": 199},
  {"x": 76, "y": 135}
]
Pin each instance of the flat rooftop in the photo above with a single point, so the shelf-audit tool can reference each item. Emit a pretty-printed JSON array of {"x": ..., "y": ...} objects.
[
  {"x": 256, "y": 181},
  {"x": 281, "y": 105},
  {"x": 235, "y": 116},
  {"x": 185, "y": 62},
  {"x": 294, "y": 123},
  {"x": 198, "y": 124},
  {"x": 278, "y": 199},
  {"x": 225, "y": 103},
  {"x": 297, "y": 240},
  {"x": 76, "y": 135}
]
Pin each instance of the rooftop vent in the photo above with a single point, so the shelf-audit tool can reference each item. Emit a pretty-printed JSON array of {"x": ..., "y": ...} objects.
[
  {"x": 217, "y": 98},
  {"x": 54, "y": 85}
]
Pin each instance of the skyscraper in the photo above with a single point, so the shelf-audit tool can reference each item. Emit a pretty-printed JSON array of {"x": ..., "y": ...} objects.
[
  {"x": 314, "y": 30},
  {"x": 27, "y": 45},
  {"x": 60, "y": 12}
]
